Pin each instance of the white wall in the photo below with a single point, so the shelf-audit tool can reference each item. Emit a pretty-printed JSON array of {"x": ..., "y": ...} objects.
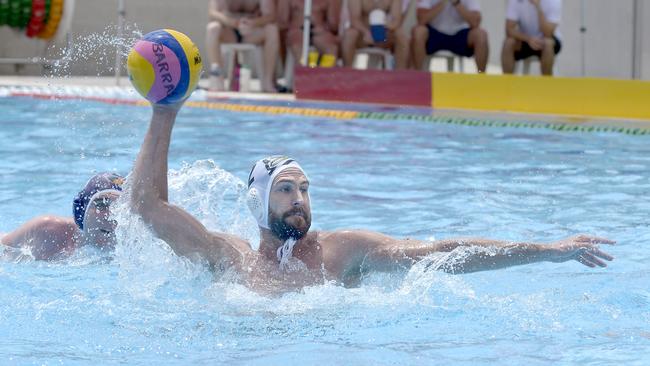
[
  {"x": 608, "y": 40},
  {"x": 645, "y": 39}
]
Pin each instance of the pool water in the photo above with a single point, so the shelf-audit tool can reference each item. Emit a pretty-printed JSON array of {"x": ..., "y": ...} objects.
[{"x": 143, "y": 305}]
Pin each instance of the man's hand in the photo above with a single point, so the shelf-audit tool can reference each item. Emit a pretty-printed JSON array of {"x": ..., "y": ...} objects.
[
  {"x": 535, "y": 2},
  {"x": 367, "y": 37},
  {"x": 245, "y": 26},
  {"x": 582, "y": 248},
  {"x": 535, "y": 43}
]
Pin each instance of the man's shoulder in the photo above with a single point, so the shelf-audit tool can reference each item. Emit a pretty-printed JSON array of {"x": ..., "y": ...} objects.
[
  {"x": 552, "y": 5},
  {"x": 48, "y": 235},
  {"x": 52, "y": 224},
  {"x": 230, "y": 240},
  {"x": 347, "y": 237},
  {"x": 55, "y": 228}
]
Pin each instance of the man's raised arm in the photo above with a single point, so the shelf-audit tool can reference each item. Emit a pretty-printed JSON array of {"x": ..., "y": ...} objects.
[
  {"x": 184, "y": 233},
  {"x": 373, "y": 251}
]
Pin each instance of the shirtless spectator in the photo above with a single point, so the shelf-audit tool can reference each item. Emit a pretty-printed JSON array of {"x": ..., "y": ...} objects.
[
  {"x": 452, "y": 25},
  {"x": 389, "y": 36},
  {"x": 325, "y": 15},
  {"x": 532, "y": 30},
  {"x": 242, "y": 21}
]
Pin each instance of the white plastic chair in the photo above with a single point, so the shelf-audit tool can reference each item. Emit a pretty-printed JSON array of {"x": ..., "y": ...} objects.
[
  {"x": 254, "y": 52},
  {"x": 364, "y": 55},
  {"x": 289, "y": 65},
  {"x": 525, "y": 64},
  {"x": 450, "y": 57}
]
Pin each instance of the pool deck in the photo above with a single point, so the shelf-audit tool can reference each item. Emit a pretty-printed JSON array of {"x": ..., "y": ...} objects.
[{"x": 91, "y": 87}]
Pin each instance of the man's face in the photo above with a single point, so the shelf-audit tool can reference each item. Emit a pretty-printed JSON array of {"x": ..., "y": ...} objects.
[
  {"x": 289, "y": 207},
  {"x": 97, "y": 224}
]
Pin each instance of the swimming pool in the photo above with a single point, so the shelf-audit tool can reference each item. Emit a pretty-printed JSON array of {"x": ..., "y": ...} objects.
[{"x": 404, "y": 178}]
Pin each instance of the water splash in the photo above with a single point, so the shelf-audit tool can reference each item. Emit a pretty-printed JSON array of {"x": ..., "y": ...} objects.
[
  {"x": 212, "y": 195},
  {"x": 93, "y": 54},
  {"x": 16, "y": 255},
  {"x": 215, "y": 197}
]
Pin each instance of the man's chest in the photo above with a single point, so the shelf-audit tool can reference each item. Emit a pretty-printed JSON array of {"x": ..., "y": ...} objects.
[
  {"x": 370, "y": 5},
  {"x": 243, "y": 6}
]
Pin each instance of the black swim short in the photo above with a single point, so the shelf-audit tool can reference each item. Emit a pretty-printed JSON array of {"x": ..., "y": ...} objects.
[
  {"x": 238, "y": 35},
  {"x": 456, "y": 43},
  {"x": 526, "y": 51}
]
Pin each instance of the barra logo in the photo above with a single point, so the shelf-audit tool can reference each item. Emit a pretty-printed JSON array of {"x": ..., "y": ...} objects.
[{"x": 163, "y": 67}]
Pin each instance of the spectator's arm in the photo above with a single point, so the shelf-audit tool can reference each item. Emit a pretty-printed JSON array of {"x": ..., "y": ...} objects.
[
  {"x": 426, "y": 15},
  {"x": 395, "y": 19},
  {"x": 512, "y": 30},
  {"x": 268, "y": 14},
  {"x": 472, "y": 17},
  {"x": 218, "y": 10},
  {"x": 545, "y": 26},
  {"x": 284, "y": 13},
  {"x": 354, "y": 8},
  {"x": 333, "y": 15}
]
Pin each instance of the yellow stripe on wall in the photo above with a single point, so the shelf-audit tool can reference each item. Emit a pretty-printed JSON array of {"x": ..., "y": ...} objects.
[{"x": 543, "y": 95}]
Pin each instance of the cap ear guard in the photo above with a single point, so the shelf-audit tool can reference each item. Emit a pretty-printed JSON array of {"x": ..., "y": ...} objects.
[{"x": 255, "y": 204}]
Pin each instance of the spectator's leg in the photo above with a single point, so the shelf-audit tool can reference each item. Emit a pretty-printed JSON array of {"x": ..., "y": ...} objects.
[
  {"x": 326, "y": 43},
  {"x": 510, "y": 46},
  {"x": 269, "y": 37},
  {"x": 420, "y": 34},
  {"x": 477, "y": 39},
  {"x": 402, "y": 43},
  {"x": 548, "y": 56},
  {"x": 350, "y": 42},
  {"x": 216, "y": 34},
  {"x": 294, "y": 39},
  {"x": 284, "y": 38},
  {"x": 271, "y": 53}
]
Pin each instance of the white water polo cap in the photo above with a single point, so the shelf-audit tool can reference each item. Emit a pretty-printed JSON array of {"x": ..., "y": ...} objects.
[{"x": 260, "y": 181}]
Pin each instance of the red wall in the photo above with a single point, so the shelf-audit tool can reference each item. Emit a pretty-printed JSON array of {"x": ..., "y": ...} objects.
[{"x": 339, "y": 84}]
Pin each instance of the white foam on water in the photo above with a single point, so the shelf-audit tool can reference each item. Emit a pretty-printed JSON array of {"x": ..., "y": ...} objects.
[
  {"x": 212, "y": 195},
  {"x": 217, "y": 199}
]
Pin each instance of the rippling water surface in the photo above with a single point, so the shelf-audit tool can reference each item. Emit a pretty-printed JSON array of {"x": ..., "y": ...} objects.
[{"x": 143, "y": 305}]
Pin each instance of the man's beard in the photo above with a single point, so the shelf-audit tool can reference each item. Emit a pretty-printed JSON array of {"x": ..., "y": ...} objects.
[{"x": 283, "y": 230}]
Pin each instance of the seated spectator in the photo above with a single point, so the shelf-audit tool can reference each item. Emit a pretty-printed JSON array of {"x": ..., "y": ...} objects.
[
  {"x": 532, "y": 30},
  {"x": 325, "y": 15},
  {"x": 376, "y": 23},
  {"x": 242, "y": 21},
  {"x": 452, "y": 25}
]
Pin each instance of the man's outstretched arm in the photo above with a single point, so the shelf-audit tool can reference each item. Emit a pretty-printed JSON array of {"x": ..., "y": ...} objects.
[
  {"x": 184, "y": 233},
  {"x": 374, "y": 251}
]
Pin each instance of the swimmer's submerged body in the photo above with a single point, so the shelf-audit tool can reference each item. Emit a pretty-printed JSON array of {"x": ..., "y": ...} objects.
[
  {"x": 290, "y": 256},
  {"x": 50, "y": 237}
]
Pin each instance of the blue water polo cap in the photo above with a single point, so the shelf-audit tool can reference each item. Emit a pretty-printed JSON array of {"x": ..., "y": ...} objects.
[{"x": 98, "y": 183}]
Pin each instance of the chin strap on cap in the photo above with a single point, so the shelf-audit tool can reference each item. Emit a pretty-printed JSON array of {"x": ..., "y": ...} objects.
[{"x": 285, "y": 251}]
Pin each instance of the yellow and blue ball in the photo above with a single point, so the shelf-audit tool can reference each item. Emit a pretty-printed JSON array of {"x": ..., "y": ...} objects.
[{"x": 164, "y": 66}]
